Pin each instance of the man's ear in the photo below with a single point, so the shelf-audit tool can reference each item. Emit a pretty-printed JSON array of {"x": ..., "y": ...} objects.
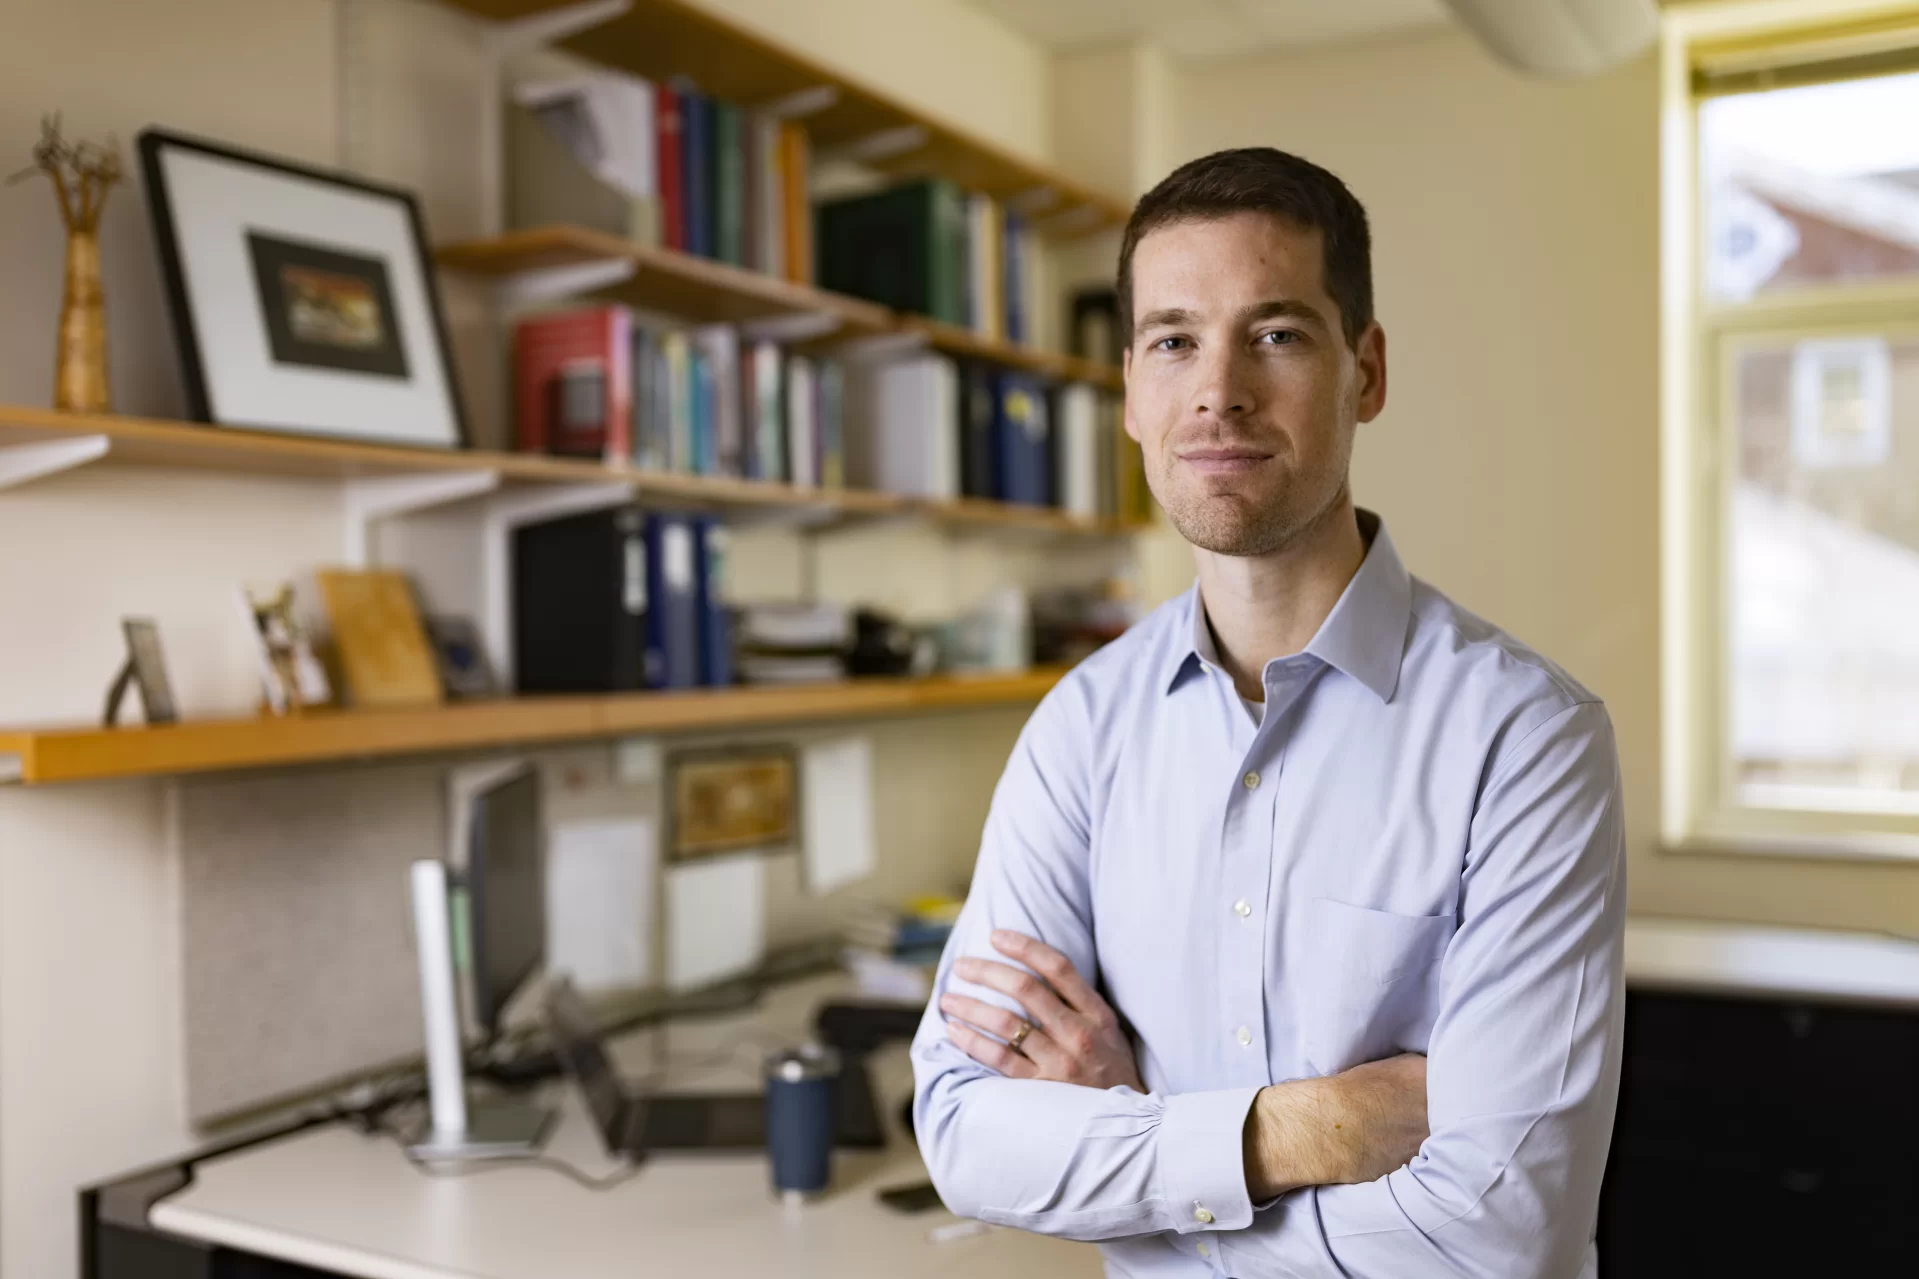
[
  {"x": 1370, "y": 356},
  {"x": 1126, "y": 382}
]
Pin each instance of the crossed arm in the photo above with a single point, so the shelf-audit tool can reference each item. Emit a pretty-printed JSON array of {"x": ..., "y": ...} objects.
[
  {"x": 1352, "y": 1127},
  {"x": 1519, "y": 1082}
]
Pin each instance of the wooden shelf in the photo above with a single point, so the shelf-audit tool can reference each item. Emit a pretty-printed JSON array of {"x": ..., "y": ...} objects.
[
  {"x": 661, "y": 39},
  {"x": 954, "y": 340},
  {"x": 666, "y": 279},
  {"x": 681, "y": 284},
  {"x": 195, "y": 446},
  {"x": 91, "y": 754}
]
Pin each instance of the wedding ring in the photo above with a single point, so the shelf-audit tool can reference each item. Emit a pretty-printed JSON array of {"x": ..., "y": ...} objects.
[{"x": 1019, "y": 1036}]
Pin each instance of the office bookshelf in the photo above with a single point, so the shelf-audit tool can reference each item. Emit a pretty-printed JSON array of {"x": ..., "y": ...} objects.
[
  {"x": 661, "y": 39},
  {"x": 44, "y": 756}
]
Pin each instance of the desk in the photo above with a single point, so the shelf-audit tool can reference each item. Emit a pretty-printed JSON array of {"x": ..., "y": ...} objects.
[
  {"x": 348, "y": 1204},
  {"x": 1769, "y": 1105}
]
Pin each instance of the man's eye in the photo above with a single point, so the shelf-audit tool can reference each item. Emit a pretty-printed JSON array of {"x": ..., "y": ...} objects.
[
  {"x": 1280, "y": 337},
  {"x": 1171, "y": 344}
]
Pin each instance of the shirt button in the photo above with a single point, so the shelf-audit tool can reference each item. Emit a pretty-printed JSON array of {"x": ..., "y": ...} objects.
[
  {"x": 1241, "y": 909},
  {"x": 1251, "y": 781},
  {"x": 1202, "y": 1214},
  {"x": 1204, "y": 1251},
  {"x": 1244, "y": 1036}
]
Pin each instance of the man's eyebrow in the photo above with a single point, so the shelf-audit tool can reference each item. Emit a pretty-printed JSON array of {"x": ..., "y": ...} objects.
[
  {"x": 1167, "y": 317},
  {"x": 1284, "y": 309}
]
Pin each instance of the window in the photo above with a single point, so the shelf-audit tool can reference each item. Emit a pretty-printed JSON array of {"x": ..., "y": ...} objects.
[{"x": 1792, "y": 428}]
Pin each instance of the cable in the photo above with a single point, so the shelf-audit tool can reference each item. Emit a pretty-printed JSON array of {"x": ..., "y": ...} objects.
[{"x": 548, "y": 1162}]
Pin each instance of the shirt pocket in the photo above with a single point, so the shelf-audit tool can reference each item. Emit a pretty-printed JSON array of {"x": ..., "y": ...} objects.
[{"x": 1371, "y": 990}]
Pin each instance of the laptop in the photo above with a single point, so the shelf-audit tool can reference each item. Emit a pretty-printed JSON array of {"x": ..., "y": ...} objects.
[{"x": 634, "y": 1123}]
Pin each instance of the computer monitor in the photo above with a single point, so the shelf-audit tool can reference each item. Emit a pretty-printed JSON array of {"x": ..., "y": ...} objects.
[{"x": 506, "y": 893}]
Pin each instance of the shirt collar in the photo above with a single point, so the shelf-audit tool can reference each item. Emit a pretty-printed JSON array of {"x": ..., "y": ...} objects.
[{"x": 1363, "y": 637}]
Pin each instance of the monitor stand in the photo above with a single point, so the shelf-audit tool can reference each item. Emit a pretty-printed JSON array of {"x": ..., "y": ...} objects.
[
  {"x": 503, "y": 1129},
  {"x": 456, "y": 1129}
]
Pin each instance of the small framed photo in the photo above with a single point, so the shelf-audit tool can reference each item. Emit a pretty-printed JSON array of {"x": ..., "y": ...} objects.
[
  {"x": 464, "y": 670},
  {"x": 146, "y": 671},
  {"x": 731, "y": 801},
  {"x": 303, "y": 301}
]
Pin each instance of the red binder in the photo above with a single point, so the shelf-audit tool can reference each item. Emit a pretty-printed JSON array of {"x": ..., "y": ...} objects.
[{"x": 666, "y": 145}]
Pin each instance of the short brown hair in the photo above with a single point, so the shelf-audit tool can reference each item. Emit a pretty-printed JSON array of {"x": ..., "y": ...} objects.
[{"x": 1263, "y": 180}]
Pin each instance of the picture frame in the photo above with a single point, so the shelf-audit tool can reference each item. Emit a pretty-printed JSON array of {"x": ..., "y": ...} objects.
[
  {"x": 145, "y": 672},
  {"x": 730, "y": 801},
  {"x": 303, "y": 301}
]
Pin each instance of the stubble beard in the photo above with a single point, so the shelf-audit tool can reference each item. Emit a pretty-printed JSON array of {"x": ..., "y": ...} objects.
[{"x": 1233, "y": 525}]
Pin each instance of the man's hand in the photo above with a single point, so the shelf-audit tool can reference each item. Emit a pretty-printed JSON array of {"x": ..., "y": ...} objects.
[
  {"x": 1074, "y": 1036},
  {"x": 1344, "y": 1129}
]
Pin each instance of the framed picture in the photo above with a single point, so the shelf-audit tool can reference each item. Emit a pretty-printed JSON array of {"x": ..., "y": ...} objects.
[
  {"x": 303, "y": 301},
  {"x": 729, "y": 801},
  {"x": 145, "y": 671}
]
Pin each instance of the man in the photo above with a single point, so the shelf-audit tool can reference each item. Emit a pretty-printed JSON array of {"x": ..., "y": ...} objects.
[{"x": 1294, "y": 943}]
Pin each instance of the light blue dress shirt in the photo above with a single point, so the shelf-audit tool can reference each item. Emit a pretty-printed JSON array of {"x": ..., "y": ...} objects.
[{"x": 1418, "y": 848}]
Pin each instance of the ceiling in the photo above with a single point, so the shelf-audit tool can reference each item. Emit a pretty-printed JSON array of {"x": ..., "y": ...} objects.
[{"x": 1202, "y": 30}]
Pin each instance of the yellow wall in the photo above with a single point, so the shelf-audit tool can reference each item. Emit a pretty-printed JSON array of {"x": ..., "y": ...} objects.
[{"x": 1516, "y": 260}]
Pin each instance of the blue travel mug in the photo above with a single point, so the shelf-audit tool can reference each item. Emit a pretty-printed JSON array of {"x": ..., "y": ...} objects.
[{"x": 800, "y": 1087}]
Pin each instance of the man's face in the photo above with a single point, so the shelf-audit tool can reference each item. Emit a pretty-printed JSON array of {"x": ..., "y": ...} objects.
[{"x": 1240, "y": 387}]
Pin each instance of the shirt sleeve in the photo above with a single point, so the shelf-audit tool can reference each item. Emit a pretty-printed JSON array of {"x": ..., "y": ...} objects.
[
  {"x": 1055, "y": 1158},
  {"x": 1523, "y": 1063}
]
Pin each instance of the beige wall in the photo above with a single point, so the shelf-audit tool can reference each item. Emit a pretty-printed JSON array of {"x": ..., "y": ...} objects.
[
  {"x": 1516, "y": 234},
  {"x": 90, "y": 990}
]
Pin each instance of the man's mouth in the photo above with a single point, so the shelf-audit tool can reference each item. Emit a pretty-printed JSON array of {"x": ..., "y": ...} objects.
[{"x": 1223, "y": 461}]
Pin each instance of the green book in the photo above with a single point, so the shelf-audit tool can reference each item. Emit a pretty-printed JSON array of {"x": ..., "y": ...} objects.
[
  {"x": 904, "y": 247},
  {"x": 729, "y": 183}
]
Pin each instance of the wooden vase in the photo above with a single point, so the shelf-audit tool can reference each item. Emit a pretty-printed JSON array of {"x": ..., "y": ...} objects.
[{"x": 80, "y": 368}]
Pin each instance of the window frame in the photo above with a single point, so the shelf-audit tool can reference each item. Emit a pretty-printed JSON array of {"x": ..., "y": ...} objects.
[{"x": 1699, "y": 811}]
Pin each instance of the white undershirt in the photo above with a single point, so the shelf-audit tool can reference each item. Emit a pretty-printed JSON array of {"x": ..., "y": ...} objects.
[{"x": 1256, "y": 709}]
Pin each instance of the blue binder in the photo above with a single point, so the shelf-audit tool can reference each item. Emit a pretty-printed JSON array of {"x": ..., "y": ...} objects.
[
  {"x": 673, "y": 595},
  {"x": 1023, "y": 458},
  {"x": 716, "y": 625}
]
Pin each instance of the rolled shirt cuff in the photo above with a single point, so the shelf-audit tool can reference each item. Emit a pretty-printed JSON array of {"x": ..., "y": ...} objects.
[{"x": 1202, "y": 1159}]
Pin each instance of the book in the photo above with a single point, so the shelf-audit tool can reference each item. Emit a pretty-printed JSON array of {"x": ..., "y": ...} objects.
[
  {"x": 572, "y": 377},
  {"x": 903, "y": 247},
  {"x": 767, "y": 207},
  {"x": 652, "y": 401},
  {"x": 830, "y": 423},
  {"x": 765, "y": 412},
  {"x": 672, "y": 597},
  {"x": 723, "y": 426},
  {"x": 729, "y": 184},
  {"x": 1023, "y": 441},
  {"x": 1013, "y": 277},
  {"x": 1133, "y": 500},
  {"x": 716, "y": 627},
  {"x": 910, "y": 435},
  {"x": 382, "y": 648},
  {"x": 1077, "y": 440},
  {"x": 979, "y": 400},
  {"x": 696, "y": 171},
  {"x": 802, "y": 423},
  {"x": 986, "y": 273},
  {"x": 703, "y": 447},
  {"x": 797, "y": 185},
  {"x": 668, "y": 154},
  {"x": 676, "y": 360}
]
